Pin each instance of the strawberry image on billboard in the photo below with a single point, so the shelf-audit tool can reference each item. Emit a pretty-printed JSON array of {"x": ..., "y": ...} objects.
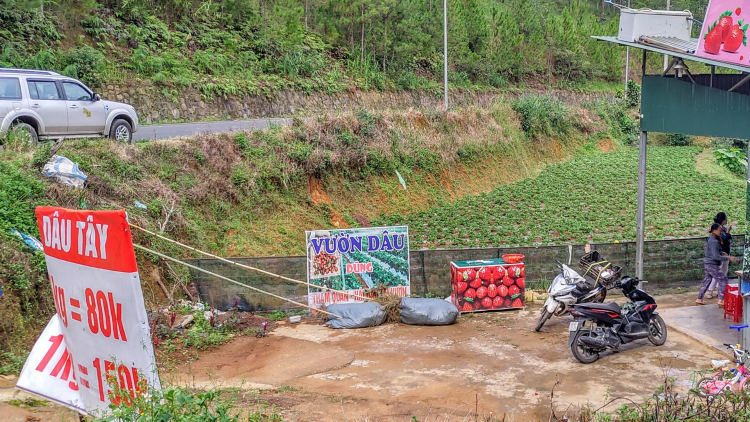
[
  {"x": 724, "y": 33},
  {"x": 487, "y": 285}
]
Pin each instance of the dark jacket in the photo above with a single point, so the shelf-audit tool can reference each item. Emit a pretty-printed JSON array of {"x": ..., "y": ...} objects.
[
  {"x": 726, "y": 237},
  {"x": 713, "y": 252}
]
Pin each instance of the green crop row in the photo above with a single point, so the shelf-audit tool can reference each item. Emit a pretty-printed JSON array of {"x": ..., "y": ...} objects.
[{"x": 590, "y": 198}]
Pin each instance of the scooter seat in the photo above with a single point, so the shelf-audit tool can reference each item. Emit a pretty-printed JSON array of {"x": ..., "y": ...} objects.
[
  {"x": 609, "y": 306},
  {"x": 719, "y": 363}
]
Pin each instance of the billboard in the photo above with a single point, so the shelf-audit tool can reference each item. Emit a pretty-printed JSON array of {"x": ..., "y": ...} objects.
[
  {"x": 355, "y": 261},
  {"x": 724, "y": 33}
]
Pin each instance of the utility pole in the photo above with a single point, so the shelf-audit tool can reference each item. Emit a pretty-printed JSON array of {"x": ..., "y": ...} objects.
[
  {"x": 641, "y": 212},
  {"x": 445, "y": 51},
  {"x": 627, "y": 64},
  {"x": 666, "y": 58}
]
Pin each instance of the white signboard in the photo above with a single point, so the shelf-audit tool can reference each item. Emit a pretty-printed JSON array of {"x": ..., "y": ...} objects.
[{"x": 99, "y": 303}]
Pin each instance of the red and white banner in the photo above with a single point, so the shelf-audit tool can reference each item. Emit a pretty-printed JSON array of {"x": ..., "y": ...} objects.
[{"x": 100, "y": 307}]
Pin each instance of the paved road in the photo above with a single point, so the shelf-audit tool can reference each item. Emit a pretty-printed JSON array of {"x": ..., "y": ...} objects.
[{"x": 152, "y": 132}]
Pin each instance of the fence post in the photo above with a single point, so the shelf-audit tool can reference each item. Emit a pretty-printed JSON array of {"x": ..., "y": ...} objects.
[{"x": 424, "y": 278}]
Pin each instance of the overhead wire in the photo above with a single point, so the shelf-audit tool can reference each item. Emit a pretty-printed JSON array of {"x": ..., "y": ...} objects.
[
  {"x": 161, "y": 255},
  {"x": 247, "y": 267}
]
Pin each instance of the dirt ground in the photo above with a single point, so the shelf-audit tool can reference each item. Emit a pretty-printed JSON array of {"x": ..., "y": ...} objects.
[
  {"x": 492, "y": 364},
  {"x": 488, "y": 363}
]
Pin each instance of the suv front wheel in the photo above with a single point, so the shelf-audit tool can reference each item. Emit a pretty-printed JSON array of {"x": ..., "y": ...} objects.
[{"x": 121, "y": 131}]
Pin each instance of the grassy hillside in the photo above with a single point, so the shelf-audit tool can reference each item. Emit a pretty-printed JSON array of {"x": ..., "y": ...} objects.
[
  {"x": 591, "y": 198},
  {"x": 235, "y": 47}
]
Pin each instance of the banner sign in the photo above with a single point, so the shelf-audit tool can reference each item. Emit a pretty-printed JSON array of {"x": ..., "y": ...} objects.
[
  {"x": 49, "y": 372},
  {"x": 356, "y": 260},
  {"x": 724, "y": 32},
  {"x": 100, "y": 311}
]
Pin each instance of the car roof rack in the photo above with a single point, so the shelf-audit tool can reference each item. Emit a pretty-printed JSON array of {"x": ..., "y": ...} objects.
[{"x": 28, "y": 71}]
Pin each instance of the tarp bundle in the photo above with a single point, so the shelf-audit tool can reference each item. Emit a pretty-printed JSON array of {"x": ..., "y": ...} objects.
[
  {"x": 356, "y": 315},
  {"x": 414, "y": 311},
  {"x": 418, "y": 311},
  {"x": 65, "y": 171}
]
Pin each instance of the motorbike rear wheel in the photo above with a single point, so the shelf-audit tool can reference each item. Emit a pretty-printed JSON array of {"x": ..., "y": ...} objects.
[
  {"x": 657, "y": 331},
  {"x": 542, "y": 319},
  {"x": 581, "y": 351}
]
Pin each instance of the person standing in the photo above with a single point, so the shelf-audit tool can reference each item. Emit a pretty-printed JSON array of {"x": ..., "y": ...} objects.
[
  {"x": 712, "y": 261},
  {"x": 726, "y": 246}
]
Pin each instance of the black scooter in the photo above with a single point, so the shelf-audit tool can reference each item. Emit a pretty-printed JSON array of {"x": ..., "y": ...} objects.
[{"x": 600, "y": 326}]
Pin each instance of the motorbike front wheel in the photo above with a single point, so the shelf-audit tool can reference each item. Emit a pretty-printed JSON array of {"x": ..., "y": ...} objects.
[
  {"x": 542, "y": 319},
  {"x": 581, "y": 351},
  {"x": 657, "y": 331},
  {"x": 599, "y": 298}
]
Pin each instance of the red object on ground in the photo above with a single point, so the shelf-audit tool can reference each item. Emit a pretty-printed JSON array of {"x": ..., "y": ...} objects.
[
  {"x": 733, "y": 302},
  {"x": 513, "y": 258},
  {"x": 499, "y": 284}
]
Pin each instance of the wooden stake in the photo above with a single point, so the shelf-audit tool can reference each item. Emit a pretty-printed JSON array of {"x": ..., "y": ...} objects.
[{"x": 180, "y": 282}]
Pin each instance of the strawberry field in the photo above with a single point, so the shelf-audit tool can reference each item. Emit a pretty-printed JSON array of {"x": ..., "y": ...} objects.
[{"x": 591, "y": 198}]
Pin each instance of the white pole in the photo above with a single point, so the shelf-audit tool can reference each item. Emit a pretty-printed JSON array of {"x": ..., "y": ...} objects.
[
  {"x": 666, "y": 59},
  {"x": 627, "y": 65},
  {"x": 641, "y": 211},
  {"x": 445, "y": 51}
]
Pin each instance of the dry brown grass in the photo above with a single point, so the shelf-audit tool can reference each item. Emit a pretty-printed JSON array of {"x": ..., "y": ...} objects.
[{"x": 392, "y": 304}]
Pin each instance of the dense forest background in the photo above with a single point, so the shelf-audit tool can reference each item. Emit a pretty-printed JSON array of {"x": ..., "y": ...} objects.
[{"x": 256, "y": 46}]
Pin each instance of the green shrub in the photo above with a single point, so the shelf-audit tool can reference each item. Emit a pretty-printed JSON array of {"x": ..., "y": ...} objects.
[
  {"x": 543, "y": 115},
  {"x": 633, "y": 93},
  {"x": 733, "y": 160},
  {"x": 86, "y": 64},
  {"x": 679, "y": 140}
]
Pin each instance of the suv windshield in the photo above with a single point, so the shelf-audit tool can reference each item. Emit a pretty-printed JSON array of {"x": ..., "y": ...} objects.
[{"x": 10, "y": 89}]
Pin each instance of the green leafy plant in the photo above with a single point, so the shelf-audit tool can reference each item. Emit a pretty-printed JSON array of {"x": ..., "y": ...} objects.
[
  {"x": 539, "y": 211},
  {"x": 86, "y": 64},
  {"x": 147, "y": 404},
  {"x": 633, "y": 93},
  {"x": 732, "y": 159}
]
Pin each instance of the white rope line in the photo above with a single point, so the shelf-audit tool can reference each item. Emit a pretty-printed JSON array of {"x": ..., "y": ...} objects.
[
  {"x": 161, "y": 255},
  {"x": 247, "y": 267}
]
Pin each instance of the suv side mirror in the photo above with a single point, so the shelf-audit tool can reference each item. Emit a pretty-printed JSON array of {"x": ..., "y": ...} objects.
[{"x": 97, "y": 97}]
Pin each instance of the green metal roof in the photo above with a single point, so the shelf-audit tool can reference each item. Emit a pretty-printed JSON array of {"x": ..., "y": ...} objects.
[{"x": 685, "y": 56}]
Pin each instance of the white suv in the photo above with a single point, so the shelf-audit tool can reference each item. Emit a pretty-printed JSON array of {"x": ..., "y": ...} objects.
[{"x": 47, "y": 105}]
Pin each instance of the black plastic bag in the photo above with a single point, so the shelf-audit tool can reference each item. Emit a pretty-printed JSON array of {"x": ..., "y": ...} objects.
[
  {"x": 416, "y": 311},
  {"x": 356, "y": 315}
]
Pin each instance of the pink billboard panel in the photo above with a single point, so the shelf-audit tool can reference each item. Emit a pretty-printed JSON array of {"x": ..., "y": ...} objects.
[{"x": 724, "y": 33}]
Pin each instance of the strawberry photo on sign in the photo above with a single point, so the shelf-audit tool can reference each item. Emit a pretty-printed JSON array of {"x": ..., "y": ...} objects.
[
  {"x": 724, "y": 33},
  {"x": 487, "y": 285}
]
